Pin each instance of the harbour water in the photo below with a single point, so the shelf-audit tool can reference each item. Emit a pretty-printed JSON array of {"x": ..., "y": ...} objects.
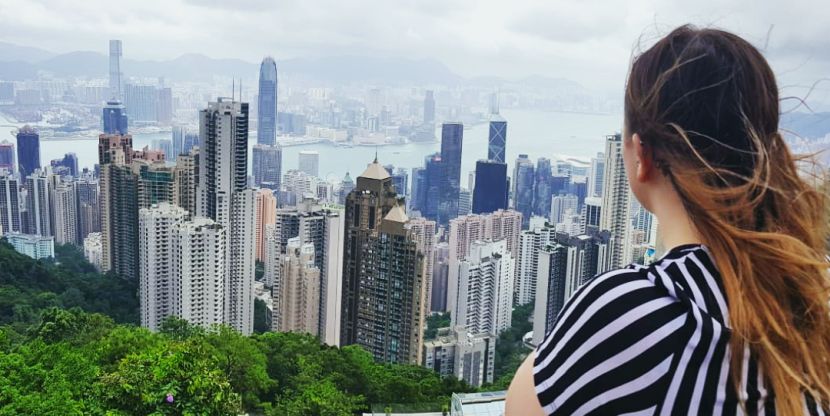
[{"x": 536, "y": 133}]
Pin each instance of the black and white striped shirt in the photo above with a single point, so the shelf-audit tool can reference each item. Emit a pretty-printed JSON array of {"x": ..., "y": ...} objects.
[{"x": 649, "y": 340}]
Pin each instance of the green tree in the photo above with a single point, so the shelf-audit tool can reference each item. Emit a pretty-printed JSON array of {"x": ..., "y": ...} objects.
[{"x": 262, "y": 317}]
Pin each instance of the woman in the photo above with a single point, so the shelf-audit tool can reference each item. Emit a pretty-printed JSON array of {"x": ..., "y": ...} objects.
[{"x": 734, "y": 318}]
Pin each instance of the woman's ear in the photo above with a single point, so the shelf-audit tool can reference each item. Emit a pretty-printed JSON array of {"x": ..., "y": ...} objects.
[{"x": 645, "y": 159}]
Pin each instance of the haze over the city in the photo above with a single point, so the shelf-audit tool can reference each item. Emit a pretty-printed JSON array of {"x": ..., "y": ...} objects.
[{"x": 589, "y": 43}]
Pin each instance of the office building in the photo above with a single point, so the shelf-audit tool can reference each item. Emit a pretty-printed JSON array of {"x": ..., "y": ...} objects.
[
  {"x": 115, "y": 79},
  {"x": 35, "y": 246},
  {"x": 499, "y": 225},
  {"x": 615, "y": 200},
  {"x": 182, "y": 267},
  {"x": 458, "y": 353},
  {"x": 323, "y": 228},
  {"x": 164, "y": 109},
  {"x": 480, "y": 288},
  {"x": 564, "y": 264},
  {"x": 560, "y": 205},
  {"x": 267, "y": 166},
  {"x": 452, "y": 136},
  {"x": 429, "y": 107},
  {"x": 465, "y": 202},
  {"x": 491, "y": 191},
  {"x": 7, "y": 156},
  {"x": 66, "y": 214},
  {"x": 382, "y": 273},
  {"x": 427, "y": 185},
  {"x": 186, "y": 176},
  {"x": 346, "y": 187},
  {"x": 591, "y": 214},
  {"x": 66, "y": 166},
  {"x": 595, "y": 176},
  {"x": 142, "y": 102},
  {"x": 309, "y": 162},
  {"x": 28, "y": 151},
  {"x": 267, "y": 104},
  {"x": 39, "y": 203},
  {"x": 266, "y": 214},
  {"x": 296, "y": 294},
  {"x": 497, "y": 141},
  {"x": 523, "y": 181},
  {"x": 93, "y": 251},
  {"x": 10, "y": 220},
  {"x": 114, "y": 118},
  {"x": 542, "y": 188}
]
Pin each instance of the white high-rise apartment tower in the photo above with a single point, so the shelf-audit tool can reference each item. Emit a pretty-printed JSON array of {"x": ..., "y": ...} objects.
[
  {"x": 615, "y": 202},
  {"x": 66, "y": 214},
  {"x": 480, "y": 289}
]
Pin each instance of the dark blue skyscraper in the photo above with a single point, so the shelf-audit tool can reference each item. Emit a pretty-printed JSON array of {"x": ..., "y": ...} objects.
[
  {"x": 452, "y": 137},
  {"x": 523, "y": 180},
  {"x": 267, "y": 109},
  {"x": 66, "y": 166},
  {"x": 28, "y": 151},
  {"x": 435, "y": 178},
  {"x": 497, "y": 142},
  {"x": 542, "y": 188},
  {"x": 114, "y": 118},
  {"x": 490, "y": 193}
]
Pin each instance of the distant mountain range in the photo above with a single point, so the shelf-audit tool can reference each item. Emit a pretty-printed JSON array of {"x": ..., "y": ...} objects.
[{"x": 20, "y": 62}]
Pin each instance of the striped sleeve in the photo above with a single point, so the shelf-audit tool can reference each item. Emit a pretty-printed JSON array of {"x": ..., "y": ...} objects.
[{"x": 612, "y": 348}]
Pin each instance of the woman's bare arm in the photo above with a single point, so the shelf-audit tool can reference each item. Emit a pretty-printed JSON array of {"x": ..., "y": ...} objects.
[{"x": 521, "y": 396}]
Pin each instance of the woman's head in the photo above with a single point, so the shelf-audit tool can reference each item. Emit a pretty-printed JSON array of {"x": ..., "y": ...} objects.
[{"x": 701, "y": 120}]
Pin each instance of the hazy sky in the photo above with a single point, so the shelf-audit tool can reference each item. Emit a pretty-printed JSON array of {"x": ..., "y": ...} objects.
[{"x": 587, "y": 41}]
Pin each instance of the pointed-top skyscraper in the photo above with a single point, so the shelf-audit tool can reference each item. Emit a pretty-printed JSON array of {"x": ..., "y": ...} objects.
[
  {"x": 383, "y": 273},
  {"x": 267, "y": 108}
]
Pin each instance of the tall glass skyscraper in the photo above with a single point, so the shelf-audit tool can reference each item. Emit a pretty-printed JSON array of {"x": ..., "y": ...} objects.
[
  {"x": 523, "y": 180},
  {"x": 497, "y": 142},
  {"x": 115, "y": 69},
  {"x": 490, "y": 193},
  {"x": 542, "y": 187},
  {"x": 452, "y": 136},
  {"x": 114, "y": 118},
  {"x": 267, "y": 166},
  {"x": 267, "y": 109},
  {"x": 7, "y": 156},
  {"x": 28, "y": 151}
]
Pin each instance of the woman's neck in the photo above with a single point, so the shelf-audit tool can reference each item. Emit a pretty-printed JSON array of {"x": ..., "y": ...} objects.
[{"x": 675, "y": 226}]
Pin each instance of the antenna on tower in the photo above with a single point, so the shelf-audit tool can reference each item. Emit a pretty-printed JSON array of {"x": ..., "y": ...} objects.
[{"x": 376, "y": 154}]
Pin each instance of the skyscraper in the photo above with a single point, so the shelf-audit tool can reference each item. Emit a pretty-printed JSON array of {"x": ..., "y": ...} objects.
[
  {"x": 28, "y": 151},
  {"x": 119, "y": 204},
  {"x": 429, "y": 107},
  {"x": 615, "y": 200},
  {"x": 323, "y": 228},
  {"x": 595, "y": 175},
  {"x": 560, "y": 204},
  {"x": 187, "y": 178},
  {"x": 309, "y": 162},
  {"x": 382, "y": 273},
  {"x": 490, "y": 193},
  {"x": 267, "y": 166},
  {"x": 66, "y": 166},
  {"x": 591, "y": 214},
  {"x": 564, "y": 264},
  {"x": 66, "y": 214},
  {"x": 440, "y": 273},
  {"x": 7, "y": 156},
  {"x": 542, "y": 187},
  {"x": 523, "y": 181},
  {"x": 423, "y": 232},
  {"x": 142, "y": 101},
  {"x": 115, "y": 70},
  {"x": 10, "y": 220},
  {"x": 241, "y": 258},
  {"x": 88, "y": 207},
  {"x": 465, "y": 202},
  {"x": 496, "y": 226},
  {"x": 267, "y": 105},
  {"x": 466, "y": 356},
  {"x": 114, "y": 118},
  {"x": 452, "y": 136},
  {"x": 39, "y": 204},
  {"x": 480, "y": 288},
  {"x": 266, "y": 214},
  {"x": 164, "y": 109},
  {"x": 181, "y": 268},
  {"x": 296, "y": 295},
  {"x": 497, "y": 141}
]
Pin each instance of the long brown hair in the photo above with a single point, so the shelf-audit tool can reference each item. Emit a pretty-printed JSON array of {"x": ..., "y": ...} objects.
[{"x": 706, "y": 103}]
